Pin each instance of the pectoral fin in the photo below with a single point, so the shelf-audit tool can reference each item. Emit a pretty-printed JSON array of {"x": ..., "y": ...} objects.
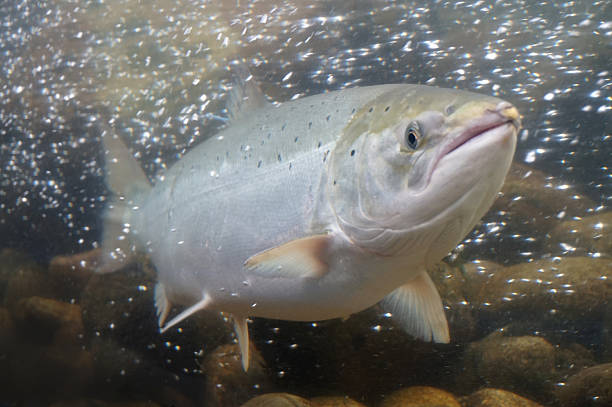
[
  {"x": 305, "y": 258},
  {"x": 418, "y": 308}
]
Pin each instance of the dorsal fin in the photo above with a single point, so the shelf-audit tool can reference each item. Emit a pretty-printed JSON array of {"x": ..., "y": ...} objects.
[{"x": 245, "y": 95}]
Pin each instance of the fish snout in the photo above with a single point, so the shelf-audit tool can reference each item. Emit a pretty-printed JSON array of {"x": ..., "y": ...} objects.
[{"x": 509, "y": 112}]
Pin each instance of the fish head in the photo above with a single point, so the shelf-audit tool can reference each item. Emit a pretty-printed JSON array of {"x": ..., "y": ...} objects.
[{"x": 418, "y": 166}]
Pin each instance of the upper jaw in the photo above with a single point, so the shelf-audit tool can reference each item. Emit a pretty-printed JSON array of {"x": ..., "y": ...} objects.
[{"x": 504, "y": 113}]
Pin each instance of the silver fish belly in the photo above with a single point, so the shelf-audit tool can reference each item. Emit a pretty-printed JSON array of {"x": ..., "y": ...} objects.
[{"x": 317, "y": 208}]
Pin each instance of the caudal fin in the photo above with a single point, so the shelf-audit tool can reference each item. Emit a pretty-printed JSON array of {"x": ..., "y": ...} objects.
[{"x": 128, "y": 186}]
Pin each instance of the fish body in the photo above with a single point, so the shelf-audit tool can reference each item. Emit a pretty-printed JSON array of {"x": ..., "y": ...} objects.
[{"x": 316, "y": 208}]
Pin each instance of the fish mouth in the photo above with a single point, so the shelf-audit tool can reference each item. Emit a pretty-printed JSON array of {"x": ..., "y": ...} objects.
[
  {"x": 503, "y": 115},
  {"x": 503, "y": 119}
]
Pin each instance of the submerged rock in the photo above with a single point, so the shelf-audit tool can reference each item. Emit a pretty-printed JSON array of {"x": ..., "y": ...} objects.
[
  {"x": 592, "y": 387},
  {"x": 534, "y": 202},
  {"x": 100, "y": 403},
  {"x": 334, "y": 401},
  {"x": 559, "y": 289},
  {"x": 591, "y": 234},
  {"x": 7, "y": 331},
  {"x": 420, "y": 396},
  {"x": 497, "y": 398},
  {"x": 53, "y": 321},
  {"x": 277, "y": 400},
  {"x": 27, "y": 279},
  {"x": 524, "y": 364},
  {"x": 226, "y": 382}
]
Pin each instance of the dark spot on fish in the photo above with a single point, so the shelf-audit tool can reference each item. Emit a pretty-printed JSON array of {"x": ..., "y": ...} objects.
[
  {"x": 387, "y": 108},
  {"x": 371, "y": 110},
  {"x": 309, "y": 125},
  {"x": 352, "y": 153}
]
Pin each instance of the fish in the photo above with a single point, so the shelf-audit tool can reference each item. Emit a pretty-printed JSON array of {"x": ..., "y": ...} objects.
[{"x": 316, "y": 208}]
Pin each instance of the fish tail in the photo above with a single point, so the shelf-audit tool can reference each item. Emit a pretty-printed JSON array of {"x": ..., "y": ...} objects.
[{"x": 128, "y": 187}]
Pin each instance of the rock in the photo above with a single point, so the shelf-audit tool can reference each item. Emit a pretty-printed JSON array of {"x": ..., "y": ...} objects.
[
  {"x": 524, "y": 364},
  {"x": 571, "y": 359},
  {"x": 53, "y": 371},
  {"x": 460, "y": 314},
  {"x": 591, "y": 234},
  {"x": 590, "y": 387},
  {"x": 49, "y": 320},
  {"x": 7, "y": 348},
  {"x": 497, "y": 398},
  {"x": 277, "y": 400},
  {"x": 47, "y": 351},
  {"x": 11, "y": 260},
  {"x": 99, "y": 403},
  {"x": 7, "y": 331},
  {"x": 227, "y": 384},
  {"x": 334, "y": 401},
  {"x": 28, "y": 280},
  {"x": 534, "y": 202},
  {"x": 120, "y": 370},
  {"x": 120, "y": 306},
  {"x": 564, "y": 289},
  {"x": 373, "y": 348},
  {"x": 81, "y": 403},
  {"x": 420, "y": 396},
  {"x": 75, "y": 270}
]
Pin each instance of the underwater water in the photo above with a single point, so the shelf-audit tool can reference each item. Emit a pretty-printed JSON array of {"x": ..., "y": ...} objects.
[{"x": 527, "y": 293}]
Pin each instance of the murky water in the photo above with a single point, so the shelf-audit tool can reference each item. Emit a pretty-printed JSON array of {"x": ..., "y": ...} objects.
[{"x": 537, "y": 267}]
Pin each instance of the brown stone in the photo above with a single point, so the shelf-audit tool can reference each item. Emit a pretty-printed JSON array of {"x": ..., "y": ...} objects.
[
  {"x": 277, "y": 400},
  {"x": 535, "y": 202},
  {"x": 497, "y": 398},
  {"x": 29, "y": 280},
  {"x": 227, "y": 384},
  {"x": 592, "y": 387},
  {"x": 591, "y": 234},
  {"x": 7, "y": 329},
  {"x": 420, "y": 396},
  {"x": 56, "y": 321},
  {"x": 564, "y": 288},
  {"x": 525, "y": 364},
  {"x": 99, "y": 403},
  {"x": 335, "y": 401}
]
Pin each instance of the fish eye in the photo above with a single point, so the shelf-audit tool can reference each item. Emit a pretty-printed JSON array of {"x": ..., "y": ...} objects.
[{"x": 412, "y": 135}]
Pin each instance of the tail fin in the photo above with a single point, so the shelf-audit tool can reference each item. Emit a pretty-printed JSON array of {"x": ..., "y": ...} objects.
[{"x": 128, "y": 186}]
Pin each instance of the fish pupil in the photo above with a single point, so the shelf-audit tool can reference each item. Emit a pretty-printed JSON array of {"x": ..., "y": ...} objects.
[{"x": 412, "y": 139}]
